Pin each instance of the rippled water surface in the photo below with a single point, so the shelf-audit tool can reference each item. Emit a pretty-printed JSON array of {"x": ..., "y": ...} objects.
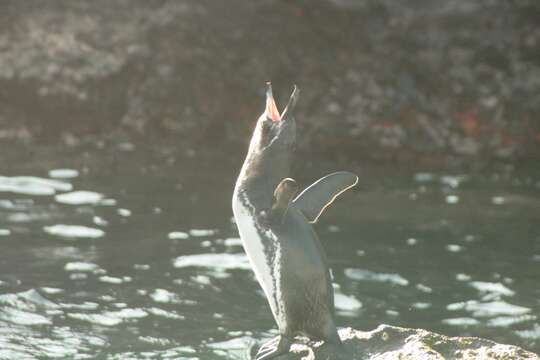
[{"x": 130, "y": 260}]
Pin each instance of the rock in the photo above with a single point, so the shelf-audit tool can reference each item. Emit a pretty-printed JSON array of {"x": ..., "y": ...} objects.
[
  {"x": 391, "y": 342},
  {"x": 379, "y": 79}
]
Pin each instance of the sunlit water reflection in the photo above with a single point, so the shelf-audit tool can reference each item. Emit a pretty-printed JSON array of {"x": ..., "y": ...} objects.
[{"x": 144, "y": 271}]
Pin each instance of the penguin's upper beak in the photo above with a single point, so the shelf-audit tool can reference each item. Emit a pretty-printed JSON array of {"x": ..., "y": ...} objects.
[{"x": 272, "y": 111}]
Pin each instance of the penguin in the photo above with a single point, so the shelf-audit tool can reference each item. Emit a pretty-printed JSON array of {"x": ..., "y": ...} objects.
[{"x": 275, "y": 225}]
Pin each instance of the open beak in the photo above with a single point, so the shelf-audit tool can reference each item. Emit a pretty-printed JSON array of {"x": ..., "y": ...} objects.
[{"x": 272, "y": 111}]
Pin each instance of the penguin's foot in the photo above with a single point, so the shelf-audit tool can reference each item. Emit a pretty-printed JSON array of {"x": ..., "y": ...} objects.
[{"x": 277, "y": 346}]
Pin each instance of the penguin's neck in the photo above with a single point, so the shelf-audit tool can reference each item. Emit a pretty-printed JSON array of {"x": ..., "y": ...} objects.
[
  {"x": 263, "y": 169},
  {"x": 259, "y": 176}
]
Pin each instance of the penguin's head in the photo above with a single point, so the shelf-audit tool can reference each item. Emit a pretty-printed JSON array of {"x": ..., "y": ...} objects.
[
  {"x": 275, "y": 131},
  {"x": 269, "y": 154}
]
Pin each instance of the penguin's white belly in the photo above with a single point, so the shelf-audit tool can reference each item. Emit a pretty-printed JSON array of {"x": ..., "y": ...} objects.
[{"x": 266, "y": 268}]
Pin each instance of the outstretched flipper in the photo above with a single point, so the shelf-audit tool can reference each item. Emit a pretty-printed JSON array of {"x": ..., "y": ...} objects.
[
  {"x": 283, "y": 196},
  {"x": 319, "y": 195}
]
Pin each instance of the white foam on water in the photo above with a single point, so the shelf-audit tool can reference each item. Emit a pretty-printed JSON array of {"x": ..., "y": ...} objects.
[
  {"x": 5, "y": 232},
  {"x": 453, "y": 181},
  {"x": 456, "y": 306},
  {"x": 54, "y": 312},
  {"x": 333, "y": 228},
  {"x": 23, "y": 217},
  {"x": 80, "y": 266},
  {"x": 454, "y": 248},
  {"x": 452, "y": 199},
  {"x": 97, "y": 319},
  {"x": 232, "y": 242},
  {"x": 241, "y": 343},
  {"x": 108, "y": 202},
  {"x": 174, "y": 353},
  {"x": 78, "y": 276},
  {"x": 163, "y": 296},
  {"x": 124, "y": 212},
  {"x": 366, "y": 275},
  {"x": 74, "y": 231},
  {"x": 81, "y": 197},
  {"x": 111, "y": 279},
  {"x": 424, "y": 288},
  {"x": 63, "y": 173},
  {"x": 155, "y": 341},
  {"x": 505, "y": 321},
  {"x": 496, "y": 308},
  {"x": 164, "y": 313},
  {"x": 412, "y": 241},
  {"x": 31, "y": 185},
  {"x": 214, "y": 261},
  {"x": 463, "y": 277},
  {"x": 20, "y": 308},
  {"x": 178, "y": 235},
  {"x": 531, "y": 334},
  {"x": 421, "y": 305},
  {"x": 7, "y": 204},
  {"x": 51, "y": 290},
  {"x": 99, "y": 221},
  {"x": 488, "y": 309},
  {"x": 347, "y": 305},
  {"x": 28, "y": 300},
  {"x": 201, "y": 279},
  {"x": 423, "y": 177},
  {"x": 462, "y": 321},
  {"x": 54, "y": 342},
  {"x": 21, "y": 317},
  {"x": 128, "y": 313},
  {"x": 87, "y": 305},
  {"x": 141, "y": 266},
  {"x": 491, "y": 288},
  {"x": 202, "y": 232}
]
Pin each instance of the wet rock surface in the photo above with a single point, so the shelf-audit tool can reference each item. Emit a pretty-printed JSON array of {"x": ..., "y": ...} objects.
[
  {"x": 418, "y": 79},
  {"x": 390, "y": 342}
]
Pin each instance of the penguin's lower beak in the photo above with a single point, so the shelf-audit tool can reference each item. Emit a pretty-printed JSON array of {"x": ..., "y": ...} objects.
[
  {"x": 272, "y": 111},
  {"x": 288, "y": 111}
]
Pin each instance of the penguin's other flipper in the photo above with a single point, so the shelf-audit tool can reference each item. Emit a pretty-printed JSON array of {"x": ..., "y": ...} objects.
[
  {"x": 283, "y": 196},
  {"x": 319, "y": 195}
]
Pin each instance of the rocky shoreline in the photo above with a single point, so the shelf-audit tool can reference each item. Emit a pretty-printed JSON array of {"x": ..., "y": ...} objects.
[
  {"x": 380, "y": 80},
  {"x": 390, "y": 342}
]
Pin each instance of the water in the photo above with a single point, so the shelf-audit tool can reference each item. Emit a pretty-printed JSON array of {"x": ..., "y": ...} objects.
[{"x": 136, "y": 257}]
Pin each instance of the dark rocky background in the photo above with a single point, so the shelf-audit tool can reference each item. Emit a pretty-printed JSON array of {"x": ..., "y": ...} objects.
[{"x": 435, "y": 82}]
